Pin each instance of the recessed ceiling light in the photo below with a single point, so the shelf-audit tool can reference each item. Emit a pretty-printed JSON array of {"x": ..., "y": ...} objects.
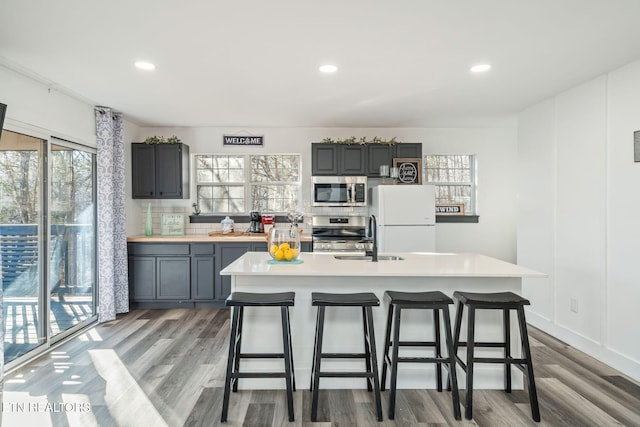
[
  {"x": 480, "y": 68},
  {"x": 328, "y": 68},
  {"x": 143, "y": 65}
]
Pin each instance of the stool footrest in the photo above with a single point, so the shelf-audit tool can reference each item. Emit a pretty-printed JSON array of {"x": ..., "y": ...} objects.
[
  {"x": 343, "y": 355},
  {"x": 423, "y": 359},
  {"x": 500, "y": 360},
  {"x": 415, "y": 343},
  {"x": 259, "y": 375},
  {"x": 483, "y": 344},
  {"x": 261, "y": 355},
  {"x": 345, "y": 374}
]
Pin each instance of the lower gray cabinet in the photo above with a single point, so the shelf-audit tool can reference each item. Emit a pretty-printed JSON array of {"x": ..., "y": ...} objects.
[
  {"x": 173, "y": 278},
  {"x": 226, "y": 254},
  {"x": 203, "y": 271},
  {"x": 184, "y": 274},
  {"x": 142, "y": 277}
]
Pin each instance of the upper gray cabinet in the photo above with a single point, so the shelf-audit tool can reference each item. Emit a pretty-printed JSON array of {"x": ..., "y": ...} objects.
[
  {"x": 338, "y": 159},
  {"x": 357, "y": 159},
  {"x": 160, "y": 171}
]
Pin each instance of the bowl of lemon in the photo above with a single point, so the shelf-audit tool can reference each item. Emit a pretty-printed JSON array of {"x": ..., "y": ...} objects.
[{"x": 284, "y": 244}]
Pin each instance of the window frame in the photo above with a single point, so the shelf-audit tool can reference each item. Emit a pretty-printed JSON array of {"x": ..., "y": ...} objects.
[
  {"x": 473, "y": 184},
  {"x": 246, "y": 183}
]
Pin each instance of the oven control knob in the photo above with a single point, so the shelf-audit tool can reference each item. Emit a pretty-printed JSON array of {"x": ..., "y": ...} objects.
[{"x": 360, "y": 246}]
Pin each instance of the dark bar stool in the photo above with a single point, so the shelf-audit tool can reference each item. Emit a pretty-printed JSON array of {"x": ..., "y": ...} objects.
[
  {"x": 504, "y": 301},
  {"x": 435, "y": 301},
  {"x": 240, "y": 300},
  {"x": 365, "y": 301}
]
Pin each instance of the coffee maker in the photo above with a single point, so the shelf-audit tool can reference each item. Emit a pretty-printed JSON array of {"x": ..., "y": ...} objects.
[{"x": 255, "y": 224}]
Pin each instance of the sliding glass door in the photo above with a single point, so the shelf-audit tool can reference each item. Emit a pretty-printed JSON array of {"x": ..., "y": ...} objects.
[
  {"x": 72, "y": 255},
  {"x": 22, "y": 241},
  {"x": 47, "y": 241}
]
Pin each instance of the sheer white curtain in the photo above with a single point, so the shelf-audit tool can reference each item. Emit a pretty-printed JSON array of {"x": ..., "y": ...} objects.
[{"x": 113, "y": 283}]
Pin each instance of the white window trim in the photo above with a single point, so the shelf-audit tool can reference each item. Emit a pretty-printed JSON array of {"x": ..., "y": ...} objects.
[
  {"x": 473, "y": 173},
  {"x": 247, "y": 183}
]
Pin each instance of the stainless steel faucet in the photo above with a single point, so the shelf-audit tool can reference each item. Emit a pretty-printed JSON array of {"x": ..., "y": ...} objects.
[{"x": 373, "y": 235}]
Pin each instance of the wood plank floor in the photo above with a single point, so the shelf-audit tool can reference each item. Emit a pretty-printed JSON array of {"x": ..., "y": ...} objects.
[{"x": 166, "y": 368}]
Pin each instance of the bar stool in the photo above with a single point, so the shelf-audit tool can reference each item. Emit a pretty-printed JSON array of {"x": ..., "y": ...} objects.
[
  {"x": 240, "y": 300},
  {"x": 365, "y": 301},
  {"x": 504, "y": 301},
  {"x": 435, "y": 301}
]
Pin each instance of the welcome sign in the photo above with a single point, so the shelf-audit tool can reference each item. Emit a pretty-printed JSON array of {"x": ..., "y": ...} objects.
[{"x": 242, "y": 140}]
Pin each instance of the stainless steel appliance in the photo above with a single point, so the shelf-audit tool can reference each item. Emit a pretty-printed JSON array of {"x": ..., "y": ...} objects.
[
  {"x": 339, "y": 191},
  {"x": 340, "y": 234},
  {"x": 255, "y": 222}
]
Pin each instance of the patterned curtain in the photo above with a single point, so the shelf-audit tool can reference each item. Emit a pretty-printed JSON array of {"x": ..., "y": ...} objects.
[{"x": 113, "y": 283}]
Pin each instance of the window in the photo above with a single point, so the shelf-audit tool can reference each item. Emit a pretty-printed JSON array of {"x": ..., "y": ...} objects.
[
  {"x": 454, "y": 178},
  {"x": 237, "y": 183}
]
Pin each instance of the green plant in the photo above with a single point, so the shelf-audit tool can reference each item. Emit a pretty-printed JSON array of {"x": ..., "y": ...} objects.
[
  {"x": 361, "y": 140},
  {"x": 162, "y": 140}
]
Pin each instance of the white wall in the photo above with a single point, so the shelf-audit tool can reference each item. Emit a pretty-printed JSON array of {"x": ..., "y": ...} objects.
[
  {"x": 577, "y": 216},
  {"x": 495, "y": 149},
  {"x": 31, "y": 104}
]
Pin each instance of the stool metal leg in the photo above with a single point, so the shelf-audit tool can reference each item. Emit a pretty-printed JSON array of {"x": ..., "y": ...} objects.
[
  {"x": 367, "y": 349},
  {"x": 230, "y": 364},
  {"x": 456, "y": 335},
  {"x": 471, "y": 317},
  {"x": 236, "y": 362},
  {"x": 293, "y": 370},
  {"x": 374, "y": 362},
  {"x": 387, "y": 344},
  {"x": 286, "y": 344},
  {"x": 315, "y": 345},
  {"x": 453, "y": 380},
  {"x": 316, "y": 364},
  {"x": 507, "y": 350},
  {"x": 436, "y": 327},
  {"x": 524, "y": 336},
  {"x": 394, "y": 363}
]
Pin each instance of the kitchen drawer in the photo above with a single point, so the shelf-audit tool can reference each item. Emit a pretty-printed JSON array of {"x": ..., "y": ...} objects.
[
  {"x": 202, "y": 248},
  {"x": 158, "y": 248}
]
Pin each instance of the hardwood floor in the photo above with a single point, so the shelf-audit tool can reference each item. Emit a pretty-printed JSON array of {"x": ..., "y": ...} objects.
[{"x": 166, "y": 368}]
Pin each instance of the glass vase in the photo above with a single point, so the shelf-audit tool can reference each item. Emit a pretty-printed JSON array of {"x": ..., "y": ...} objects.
[{"x": 148, "y": 225}]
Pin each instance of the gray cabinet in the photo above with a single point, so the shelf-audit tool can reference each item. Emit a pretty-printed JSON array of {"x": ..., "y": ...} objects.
[
  {"x": 142, "y": 277},
  {"x": 226, "y": 254},
  {"x": 203, "y": 271},
  {"x": 357, "y": 159},
  {"x": 184, "y": 274},
  {"x": 324, "y": 159},
  {"x": 160, "y": 171},
  {"x": 408, "y": 149},
  {"x": 173, "y": 278},
  {"x": 378, "y": 155},
  {"x": 338, "y": 159}
]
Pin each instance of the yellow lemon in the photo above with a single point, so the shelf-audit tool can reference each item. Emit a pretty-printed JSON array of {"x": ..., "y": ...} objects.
[
  {"x": 278, "y": 255},
  {"x": 284, "y": 246},
  {"x": 289, "y": 254},
  {"x": 273, "y": 249}
]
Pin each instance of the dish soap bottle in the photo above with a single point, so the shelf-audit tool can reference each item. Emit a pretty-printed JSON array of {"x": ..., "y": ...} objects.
[{"x": 227, "y": 225}]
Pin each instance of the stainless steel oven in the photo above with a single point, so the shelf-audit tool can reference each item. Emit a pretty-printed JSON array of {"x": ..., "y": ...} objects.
[
  {"x": 339, "y": 191},
  {"x": 340, "y": 234}
]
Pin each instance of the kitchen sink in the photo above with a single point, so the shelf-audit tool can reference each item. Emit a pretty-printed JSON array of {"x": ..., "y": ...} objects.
[{"x": 368, "y": 257}]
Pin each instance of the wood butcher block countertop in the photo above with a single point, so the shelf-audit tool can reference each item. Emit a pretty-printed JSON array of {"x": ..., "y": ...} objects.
[{"x": 210, "y": 237}]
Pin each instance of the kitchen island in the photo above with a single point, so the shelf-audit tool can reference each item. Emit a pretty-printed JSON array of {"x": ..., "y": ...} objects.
[{"x": 415, "y": 272}]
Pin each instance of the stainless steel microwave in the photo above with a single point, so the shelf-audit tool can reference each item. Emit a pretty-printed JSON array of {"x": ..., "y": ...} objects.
[{"x": 339, "y": 191}]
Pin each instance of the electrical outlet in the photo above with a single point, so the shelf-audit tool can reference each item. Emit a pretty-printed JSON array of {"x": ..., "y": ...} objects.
[{"x": 574, "y": 304}]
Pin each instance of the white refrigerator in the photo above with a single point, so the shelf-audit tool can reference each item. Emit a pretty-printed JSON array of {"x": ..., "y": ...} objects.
[{"x": 406, "y": 217}]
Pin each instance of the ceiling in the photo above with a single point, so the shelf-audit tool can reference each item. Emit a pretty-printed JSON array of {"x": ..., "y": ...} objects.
[{"x": 254, "y": 63}]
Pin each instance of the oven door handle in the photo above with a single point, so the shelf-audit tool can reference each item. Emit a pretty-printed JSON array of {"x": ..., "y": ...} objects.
[{"x": 351, "y": 195}]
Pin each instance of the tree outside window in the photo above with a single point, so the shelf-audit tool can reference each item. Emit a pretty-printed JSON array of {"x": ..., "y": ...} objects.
[{"x": 453, "y": 176}]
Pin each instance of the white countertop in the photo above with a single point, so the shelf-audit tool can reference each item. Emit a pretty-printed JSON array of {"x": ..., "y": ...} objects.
[{"x": 414, "y": 264}]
